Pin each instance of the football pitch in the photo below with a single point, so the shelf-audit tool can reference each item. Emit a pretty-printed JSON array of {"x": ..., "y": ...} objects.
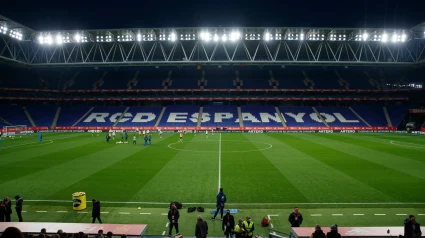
[{"x": 349, "y": 179}]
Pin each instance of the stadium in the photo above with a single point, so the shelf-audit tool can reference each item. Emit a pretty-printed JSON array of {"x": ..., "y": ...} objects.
[{"x": 330, "y": 120}]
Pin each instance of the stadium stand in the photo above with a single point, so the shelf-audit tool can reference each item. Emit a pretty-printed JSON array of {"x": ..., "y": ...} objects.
[
  {"x": 300, "y": 116},
  {"x": 102, "y": 116},
  {"x": 339, "y": 116},
  {"x": 180, "y": 115},
  {"x": 254, "y": 79},
  {"x": 220, "y": 115},
  {"x": 220, "y": 78},
  {"x": 140, "y": 116},
  {"x": 260, "y": 115},
  {"x": 42, "y": 115},
  {"x": 14, "y": 114},
  {"x": 373, "y": 114},
  {"x": 70, "y": 114},
  {"x": 397, "y": 113}
]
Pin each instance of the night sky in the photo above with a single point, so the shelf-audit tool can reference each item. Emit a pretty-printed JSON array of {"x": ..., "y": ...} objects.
[{"x": 95, "y": 14}]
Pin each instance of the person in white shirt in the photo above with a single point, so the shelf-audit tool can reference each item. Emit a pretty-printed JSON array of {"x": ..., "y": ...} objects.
[
  {"x": 206, "y": 134},
  {"x": 134, "y": 140},
  {"x": 113, "y": 135}
]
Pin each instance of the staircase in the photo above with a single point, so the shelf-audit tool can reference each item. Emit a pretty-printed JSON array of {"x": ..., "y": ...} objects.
[
  {"x": 5, "y": 122},
  {"x": 122, "y": 114},
  {"x": 320, "y": 116},
  {"x": 240, "y": 117},
  {"x": 280, "y": 116},
  {"x": 29, "y": 116},
  {"x": 389, "y": 123},
  {"x": 55, "y": 119},
  {"x": 160, "y": 116},
  {"x": 84, "y": 116},
  {"x": 201, "y": 110},
  {"x": 361, "y": 118}
]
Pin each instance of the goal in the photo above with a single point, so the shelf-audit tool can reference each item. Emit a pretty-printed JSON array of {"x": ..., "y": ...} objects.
[{"x": 15, "y": 130}]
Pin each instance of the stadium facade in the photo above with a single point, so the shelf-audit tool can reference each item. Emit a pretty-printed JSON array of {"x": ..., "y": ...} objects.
[{"x": 274, "y": 79}]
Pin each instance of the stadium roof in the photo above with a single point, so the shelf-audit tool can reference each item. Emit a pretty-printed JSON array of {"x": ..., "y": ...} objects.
[{"x": 278, "y": 45}]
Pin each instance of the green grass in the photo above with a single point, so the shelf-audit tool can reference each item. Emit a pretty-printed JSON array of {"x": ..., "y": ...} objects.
[{"x": 261, "y": 173}]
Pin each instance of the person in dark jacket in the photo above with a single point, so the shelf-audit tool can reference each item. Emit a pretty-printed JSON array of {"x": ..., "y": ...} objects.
[
  {"x": 412, "y": 229},
  {"x": 201, "y": 228},
  {"x": 95, "y": 213},
  {"x": 228, "y": 224},
  {"x": 173, "y": 217},
  {"x": 8, "y": 205},
  {"x": 318, "y": 233},
  {"x": 220, "y": 200},
  {"x": 295, "y": 218},
  {"x": 2, "y": 212},
  {"x": 333, "y": 233},
  {"x": 18, "y": 207}
]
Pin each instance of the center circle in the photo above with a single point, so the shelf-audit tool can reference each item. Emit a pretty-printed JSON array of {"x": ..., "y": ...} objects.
[{"x": 267, "y": 146}]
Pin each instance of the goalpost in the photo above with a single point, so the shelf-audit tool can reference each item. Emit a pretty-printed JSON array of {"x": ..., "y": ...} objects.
[{"x": 17, "y": 130}]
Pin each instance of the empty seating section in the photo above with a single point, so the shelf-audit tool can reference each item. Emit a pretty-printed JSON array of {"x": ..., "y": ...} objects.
[
  {"x": 185, "y": 79},
  {"x": 151, "y": 79},
  {"x": 397, "y": 113},
  {"x": 290, "y": 79},
  {"x": 339, "y": 116},
  {"x": 177, "y": 115},
  {"x": 300, "y": 116},
  {"x": 356, "y": 79},
  {"x": 140, "y": 116},
  {"x": 71, "y": 114},
  {"x": 102, "y": 116},
  {"x": 260, "y": 115},
  {"x": 42, "y": 115},
  {"x": 14, "y": 114},
  {"x": 324, "y": 79},
  {"x": 372, "y": 114},
  {"x": 220, "y": 116},
  {"x": 116, "y": 79},
  {"x": 221, "y": 78},
  {"x": 82, "y": 80},
  {"x": 252, "y": 79}
]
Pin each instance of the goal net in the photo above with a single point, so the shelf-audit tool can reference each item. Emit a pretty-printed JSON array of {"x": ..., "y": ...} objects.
[{"x": 15, "y": 130}]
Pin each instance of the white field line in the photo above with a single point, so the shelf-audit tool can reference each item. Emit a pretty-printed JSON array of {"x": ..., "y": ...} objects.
[
  {"x": 380, "y": 214},
  {"x": 145, "y": 213},
  {"x": 36, "y": 142},
  {"x": 316, "y": 215},
  {"x": 164, "y": 214},
  {"x": 421, "y": 214},
  {"x": 124, "y": 213},
  {"x": 62, "y": 211},
  {"x": 358, "y": 214},
  {"x": 163, "y": 233},
  {"x": 41, "y": 211},
  {"x": 24, "y": 211},
  {"x": 166, "y": 225},
  {"x": 271, "y": 225},
  {"x": 219, "y": 162},
  {"x": 337, "y": 214},
  {"x": 104, "y": 212},
  {"x": 259, "y": 204},
  {"x": 269, "y": 217},
  {"x": 401, "y": 214},
  {"x": 82, "y": 212}
]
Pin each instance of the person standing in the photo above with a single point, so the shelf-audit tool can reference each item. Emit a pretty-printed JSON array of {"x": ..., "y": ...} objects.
[
  {"x": 248, "y": 227},
  {"x": 173, "y": 217},
  {"x": 333, "y": 233},
  {"x": 412, "y": 229},
  {"x": 95, "y": 213},
  {"x": 2, "y": 211},
  {"x": 18, "y": 207},
  {"x": 201, "y": 228},
  {"x": 295, "y": 218},
  {"x": 134, "y": 139},
  {"x": 220, "y": 202},
  {"x": 239, "y": 232},
  {"x": 318, "y": 233},
  {"x": 228, "y": 224},
  {"x": 8, "y": 205}
]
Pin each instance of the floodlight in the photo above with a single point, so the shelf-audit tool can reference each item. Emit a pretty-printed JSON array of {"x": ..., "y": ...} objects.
[
  {"x": 59, "y": 39},
  {"x": 40, "y": 40},
  {"x": 235, "y": 36},
  {"x": 394, "y": 39},
  {"x": 224, "y": 38},
  {"x": 302, "y": 36},
  {"x": 139, "y": 37},
  {"x": 49, "y": 40},
  {"x": 267, "y": 37},
  {"x": 384, "y": 37},
  {"x": 215, "y": 37},
  {"x": 173, "y": 37},
  {"x": 77, "y": 38},
  {"x": 403, "y": 37}
]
